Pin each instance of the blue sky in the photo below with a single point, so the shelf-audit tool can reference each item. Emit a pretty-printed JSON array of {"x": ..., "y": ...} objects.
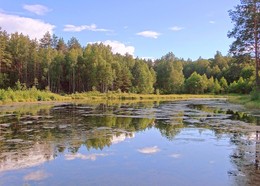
[{"x": 143, "y": 28}]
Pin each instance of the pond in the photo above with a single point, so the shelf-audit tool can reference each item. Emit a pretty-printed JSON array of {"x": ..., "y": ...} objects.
[{"x": 193, "y": 142}]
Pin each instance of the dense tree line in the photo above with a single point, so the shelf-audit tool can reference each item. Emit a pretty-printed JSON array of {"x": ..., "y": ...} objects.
[
  {"x": 52, "y": 64},
  {"x": 61, "y": 67}
]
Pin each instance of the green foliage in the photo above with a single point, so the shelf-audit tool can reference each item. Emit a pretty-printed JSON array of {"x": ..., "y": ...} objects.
[
  {"x": 241, "y": 86},
  {"x": 255, "y": 95},
  {"x": 233, "y": 88},
  {"x": 210, "y": 85},
  {"x": 30, "y": 95},
  {"x": 194, "y": 84},
  {"x": 247, "y": 72},
  {"x": 220, "y": 62},
  {"x": 217, "y": 87},
  {"x": 169, "y": 71},
  {"x": 246, "y": 31},
  {"x": 3, "y": 80},
  {"x": 224, "y": 85},
  {"x": 250, "y": 101},
  {"x": 52, "y": 65},
  {"x": 20, "y": 86},
  {"x": 143, "y": 78}
]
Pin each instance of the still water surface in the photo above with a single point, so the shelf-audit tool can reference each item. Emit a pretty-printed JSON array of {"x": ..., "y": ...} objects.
[{"x": 195, "y": 142}]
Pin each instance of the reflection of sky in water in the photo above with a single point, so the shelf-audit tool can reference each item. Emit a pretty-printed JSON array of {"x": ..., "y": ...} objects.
[
  {"x": 36, "y": 176},
  {"x": 111, "y": 147},
  {"x": 149, "y": 150},
  {"x": 120, "y": 138},
  {"x": 92, "y": 157},
  {"x": 34, "y": 156},
  {"x": 180, "y": 162},
  {"x": 175, "y": 155}
]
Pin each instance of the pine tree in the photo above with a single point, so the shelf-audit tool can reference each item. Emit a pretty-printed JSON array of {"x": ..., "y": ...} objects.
[
  {"x": 224, "y": 85},
  {"x": 246, "y": 31}
]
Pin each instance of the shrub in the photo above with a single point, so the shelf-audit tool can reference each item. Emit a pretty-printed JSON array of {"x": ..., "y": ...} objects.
[{"x": 255, "y": 95}]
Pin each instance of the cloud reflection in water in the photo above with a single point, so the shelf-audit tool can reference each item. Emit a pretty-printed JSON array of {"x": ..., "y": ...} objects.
[
  {"x": 149, "y": 150},
  {"x": 36, "y": 176},
  {"x": 175, "y": 156},
  {"x": 92, "y": 157}
]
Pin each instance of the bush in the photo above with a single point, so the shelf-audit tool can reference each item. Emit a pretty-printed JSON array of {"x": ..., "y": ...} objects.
[
  {"x": 255, "y": 95},
  {"x": 28, "y": 95}
]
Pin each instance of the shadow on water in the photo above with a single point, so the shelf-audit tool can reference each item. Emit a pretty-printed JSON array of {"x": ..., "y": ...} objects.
[{"x": 31, "y": 136}]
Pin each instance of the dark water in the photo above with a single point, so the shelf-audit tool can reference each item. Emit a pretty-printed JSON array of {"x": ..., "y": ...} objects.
[{"x": 196, "y": 142}]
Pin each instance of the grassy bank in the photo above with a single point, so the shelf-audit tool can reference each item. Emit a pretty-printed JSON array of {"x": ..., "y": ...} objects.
[
  {"x": 34, "y": 95},
  {"x": 130, "y": 96},
  {"x": 245, "y": 100},
  {"x": 30, "y": 95}
]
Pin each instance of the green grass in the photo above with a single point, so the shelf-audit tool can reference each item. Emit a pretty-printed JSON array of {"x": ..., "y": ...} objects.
[
  {"x": 30, "y": 95},
  {"x": 245, "y": 100},
  {"x": 34, "y": 95},
  {"x": 130, "y": 96}
]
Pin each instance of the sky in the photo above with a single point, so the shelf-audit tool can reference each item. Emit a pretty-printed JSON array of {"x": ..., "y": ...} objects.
[{"x": 142, "y": 28}]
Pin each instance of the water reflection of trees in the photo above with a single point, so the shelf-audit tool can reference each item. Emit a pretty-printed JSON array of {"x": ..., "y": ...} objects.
[
  {"x": 242, "y": 116},
  {"x": 234, "y": 115},
  {"x": 246, "y": 157},
  {"x": 71, "y": 125},
  {"x": 168, "y": 130},
  {"x": 45, "y": 132},
  {"x": 64, "y": 129},
  {"x": 171, "y": 127}
]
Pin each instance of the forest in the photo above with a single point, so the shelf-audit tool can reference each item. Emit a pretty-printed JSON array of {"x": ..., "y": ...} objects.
[{"x": 67, "y": 67}]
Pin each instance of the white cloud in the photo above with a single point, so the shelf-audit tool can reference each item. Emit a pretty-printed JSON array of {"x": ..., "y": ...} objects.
[
  {"x": 117, "y": 47},
  {"x": 120, "y": 48},
  {"x": 149, "y": 150},
  {"x": 176, "y": 28},
  {"x": 92, "y": 157},
  {"x": 150, "y": 34},
  {"x": 212, "y": 22},
  {"x": 37, "y": 9},
  {"x": 93, "y": 27},
  {"x": 34, "y": 28}
]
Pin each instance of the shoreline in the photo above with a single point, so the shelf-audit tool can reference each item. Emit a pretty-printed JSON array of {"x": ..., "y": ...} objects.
[
  {"x": 117, "y": 98},
  {"x": 111, "y": 97}
]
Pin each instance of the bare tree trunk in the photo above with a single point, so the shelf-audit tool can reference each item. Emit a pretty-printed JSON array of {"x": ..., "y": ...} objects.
[
  {"x": 49, "y": 80},
  {"x": 257, "y": 148},
  {"x": 73, "y": 80}
]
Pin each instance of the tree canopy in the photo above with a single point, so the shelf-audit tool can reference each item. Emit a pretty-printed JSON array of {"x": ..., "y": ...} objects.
[
  {"x": 246, "y": 31},
  {"x": 67, "y": 67}
]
